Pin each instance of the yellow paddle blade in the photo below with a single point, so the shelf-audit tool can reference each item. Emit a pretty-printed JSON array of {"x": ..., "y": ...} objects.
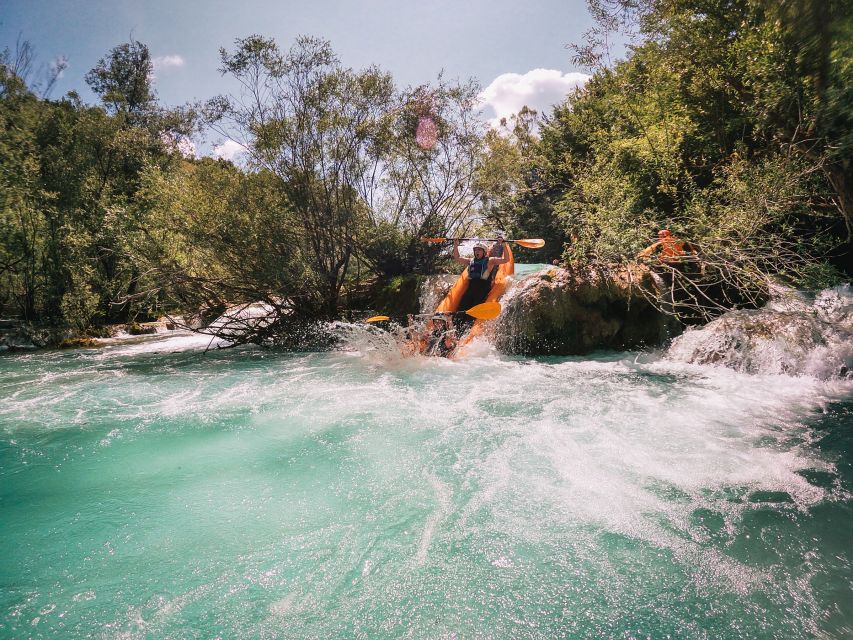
[
  {"x": 377, "y": 319},
  {"x": 531, "y": 243},
  {"x": 434, "y": 240},
  {"x": 485, "y": 311}
]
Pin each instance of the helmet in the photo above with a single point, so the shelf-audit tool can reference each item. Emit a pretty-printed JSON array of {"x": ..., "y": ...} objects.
[
  {"x": 479, "y": 246},
  {"x": 663, "y": 233}
]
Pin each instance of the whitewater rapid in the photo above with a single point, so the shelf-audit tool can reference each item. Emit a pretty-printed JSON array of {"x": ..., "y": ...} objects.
[{"x": 149, "y": 488}]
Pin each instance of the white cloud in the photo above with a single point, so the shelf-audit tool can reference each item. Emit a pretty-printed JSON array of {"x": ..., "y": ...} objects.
[
  {"x": 229, "y": 150},
  {"x": 539, "y": 89},
  {"x": 165, "y": 62}
]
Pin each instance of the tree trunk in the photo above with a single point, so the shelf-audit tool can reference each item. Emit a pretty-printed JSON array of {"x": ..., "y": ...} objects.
[{"x": 840, "y": 181}]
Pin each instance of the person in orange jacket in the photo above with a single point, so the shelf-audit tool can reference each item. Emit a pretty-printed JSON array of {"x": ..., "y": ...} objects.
[
  {"x": 670, "y": 250},
  {"x": 675, "y": 258}
]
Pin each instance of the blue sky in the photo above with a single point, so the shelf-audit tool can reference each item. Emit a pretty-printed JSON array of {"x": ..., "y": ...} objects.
[{"x": 413, "y": 40}]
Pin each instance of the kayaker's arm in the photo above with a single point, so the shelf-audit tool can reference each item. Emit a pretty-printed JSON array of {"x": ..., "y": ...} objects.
[
  {"x": 456, "y": 255},
  {"x": 503, "y": 259},
  {"x": 645, "y": 253}
]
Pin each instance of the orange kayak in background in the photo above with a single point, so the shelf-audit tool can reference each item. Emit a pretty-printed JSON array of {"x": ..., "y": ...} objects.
[{"x": 451, "y": 301}]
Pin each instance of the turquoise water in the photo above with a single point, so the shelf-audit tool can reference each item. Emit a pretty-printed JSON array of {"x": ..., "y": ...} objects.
[{"x": 149, "y": 490}]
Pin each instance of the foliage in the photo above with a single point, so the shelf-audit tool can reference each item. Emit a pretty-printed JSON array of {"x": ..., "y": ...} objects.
[
  {"x": 122, "y": 80},
  {"x": 728, "y": 123},
  {"x": 218, "y": 236},
  {"x": 430, "y": 189},
  {"x": 516, "y": 189},
  {"x": 104, "y": 220},
  {"x": 68, "y": 200}
]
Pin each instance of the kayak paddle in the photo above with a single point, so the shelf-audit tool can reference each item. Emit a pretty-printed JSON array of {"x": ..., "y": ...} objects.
[
  {"x": 485, "y": 311},
  {"x": 530, "y": 243}
]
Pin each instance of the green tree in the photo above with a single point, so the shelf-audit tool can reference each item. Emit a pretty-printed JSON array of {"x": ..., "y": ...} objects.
[
  {"x": 717, "y": 125},
  {"x": 517, "y": 192},
  {"x": 319, "y": 128},
  {"x": 217, "y": 237},
  {"x": 68, "y": 189},
  {"x": 122, "y": 79}
]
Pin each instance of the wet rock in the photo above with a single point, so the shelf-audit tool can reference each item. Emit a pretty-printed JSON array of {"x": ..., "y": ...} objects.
[
  {"x": 574, "y": 311},
  {"x": 28, "y": 337},
  {"x": 137, "y": 329},
  {"x": 17, "y": 342},
  {"x": 793, "y": 334},
  {"x": 80, "y": 342}
]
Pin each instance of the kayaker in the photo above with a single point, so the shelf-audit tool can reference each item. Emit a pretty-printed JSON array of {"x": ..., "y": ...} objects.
[
  {"x": 439, "y": 338},
  {"x": 674, "y": 269},
  {"x": 481, "y": 272}
]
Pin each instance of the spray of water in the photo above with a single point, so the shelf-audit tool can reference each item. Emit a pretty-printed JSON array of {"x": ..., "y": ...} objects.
[
  {"x": 150, "y": 487},
  {"x": 360, "y": 484},
  {"x": 795, "y": 334}
]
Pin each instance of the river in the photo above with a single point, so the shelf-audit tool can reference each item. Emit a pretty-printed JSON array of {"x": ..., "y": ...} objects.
[{"x": 151, "y": 490}]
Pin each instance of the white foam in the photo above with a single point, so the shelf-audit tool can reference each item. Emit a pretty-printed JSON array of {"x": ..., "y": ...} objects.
[
  {"x": 796, "y": 334},
  {"x": 413, "y": 456}
]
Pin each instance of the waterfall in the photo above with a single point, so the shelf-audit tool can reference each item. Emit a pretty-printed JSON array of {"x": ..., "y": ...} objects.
[{"x": 796, "y": 333}]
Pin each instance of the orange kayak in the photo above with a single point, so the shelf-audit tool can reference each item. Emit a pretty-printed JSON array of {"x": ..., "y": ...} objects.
[{"x": 451, "y": 301}]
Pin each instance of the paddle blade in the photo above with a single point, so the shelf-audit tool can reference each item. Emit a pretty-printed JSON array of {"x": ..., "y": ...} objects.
[
  {"x": 485, "y": 311},
  {"x": 434, "y": 240},
  {"x": 377, "y": 319},
  {"x": 531, "y": 243}
]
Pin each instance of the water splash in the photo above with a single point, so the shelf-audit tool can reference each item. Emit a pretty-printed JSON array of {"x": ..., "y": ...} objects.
[
  {"x": 795, "y": 333},
  {"x": 358, "y": 492}
]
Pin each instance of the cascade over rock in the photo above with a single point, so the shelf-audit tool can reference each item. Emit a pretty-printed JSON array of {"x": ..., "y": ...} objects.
[
  {"x": 573, "y": 311},
  {"x": 795, "y": 333}
]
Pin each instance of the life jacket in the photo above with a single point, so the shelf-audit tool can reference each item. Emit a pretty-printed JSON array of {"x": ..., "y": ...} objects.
[
  {"x": 672, "y": 250},
  {"x": 479, "y": 269}
]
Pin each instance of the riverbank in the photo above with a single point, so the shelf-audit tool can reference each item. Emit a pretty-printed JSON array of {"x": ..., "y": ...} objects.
[{"x": 16, "y": 336}]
